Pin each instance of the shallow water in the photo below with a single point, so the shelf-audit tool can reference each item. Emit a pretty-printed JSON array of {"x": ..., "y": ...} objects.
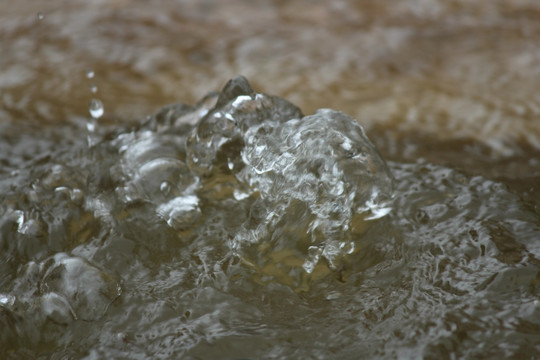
[{"x": 237, "y": 227}]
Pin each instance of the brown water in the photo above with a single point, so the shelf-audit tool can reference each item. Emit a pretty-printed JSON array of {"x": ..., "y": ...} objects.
[{"x": 179, "y": 235}]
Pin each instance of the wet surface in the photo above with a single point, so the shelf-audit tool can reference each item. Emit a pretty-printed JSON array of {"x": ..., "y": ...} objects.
[{"x": 236, "y": 226}]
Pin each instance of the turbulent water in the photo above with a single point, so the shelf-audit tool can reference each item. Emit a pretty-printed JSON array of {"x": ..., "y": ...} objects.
[
  {"x": 252, "y": 226},
  {"x": 239, "y": 228}
]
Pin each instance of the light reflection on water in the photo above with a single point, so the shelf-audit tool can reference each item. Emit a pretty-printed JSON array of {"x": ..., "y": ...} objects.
[{"x": 127, "y": 249}]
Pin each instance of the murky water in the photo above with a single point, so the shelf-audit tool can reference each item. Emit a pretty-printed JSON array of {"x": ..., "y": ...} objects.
[{"x": 248, "y": 225}]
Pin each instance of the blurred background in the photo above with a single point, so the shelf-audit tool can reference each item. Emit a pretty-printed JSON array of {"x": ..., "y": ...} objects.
[{"x": 454, "y": 82}]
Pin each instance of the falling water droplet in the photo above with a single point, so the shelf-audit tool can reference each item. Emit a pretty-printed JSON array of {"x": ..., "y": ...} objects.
[
  {"x": 40, "y": 16},
  {"x": 90, "y": 74},
  {"x": 93, "y": 88},
  {"x": 91, "y": 126},
  {"x": 96, "y": 108}
]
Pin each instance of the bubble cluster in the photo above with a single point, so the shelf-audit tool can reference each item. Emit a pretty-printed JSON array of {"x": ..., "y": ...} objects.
[
  {"x": 318, "y": 175},
  {"x": 238, "y": 108},
  {"x": 318, "y": 178}
]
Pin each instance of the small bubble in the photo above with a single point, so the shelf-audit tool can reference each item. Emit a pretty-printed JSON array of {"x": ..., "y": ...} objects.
[
  {"x": 40, "y": 16},
  {"x": 90, "y": 74},
  {"x": 93, "y": 88},
  {"x": 96, "y": 108}
]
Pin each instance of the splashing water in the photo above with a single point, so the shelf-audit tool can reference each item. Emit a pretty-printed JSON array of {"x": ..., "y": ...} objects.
[
  {"x": 240, "y": 228},
  {"x": 313, "y": 175}
]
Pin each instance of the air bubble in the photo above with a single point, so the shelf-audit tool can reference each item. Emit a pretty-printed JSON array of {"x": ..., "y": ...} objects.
[
  {"x": 96, "y": 108},
  {"x": 90, "y": 74},
  {"x": 93, "y": 88},
  {"x": 40, "y": 16}
]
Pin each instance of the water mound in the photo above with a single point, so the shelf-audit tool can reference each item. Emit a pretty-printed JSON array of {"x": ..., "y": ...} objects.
[
  {"x": 312, "y": 181},
  {"x": 317, "y": 176}
]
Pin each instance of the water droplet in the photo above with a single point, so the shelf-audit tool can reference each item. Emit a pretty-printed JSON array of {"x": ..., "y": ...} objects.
[
  {"x": 93, "y": 88},
  {"x": 91, "y": 126},
  {"x": 90, "y": 74},
  {"x": 96, "y": 108},
  {"x": 40, "y": 16},
  {"x": 165, "y": 187}
]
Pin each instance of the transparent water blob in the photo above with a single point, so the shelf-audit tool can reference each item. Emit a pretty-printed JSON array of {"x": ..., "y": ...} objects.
[
  {"x": 237, "y": 109},
  {"x": 151, "y": 168},
  {"x": 320, "y": 179},
  {"x": 73, "y": 287}
]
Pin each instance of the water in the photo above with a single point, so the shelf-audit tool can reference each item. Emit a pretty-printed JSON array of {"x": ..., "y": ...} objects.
[
  {"x": 251, "y": 226},
  {"x": 143, "y": 245},
  {"x": 96, "y": 108}
]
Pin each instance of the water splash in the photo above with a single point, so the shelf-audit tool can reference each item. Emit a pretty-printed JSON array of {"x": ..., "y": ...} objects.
[
  {"x": 318, "y": 175},
  {"x": 198, "y": 229},
  {"x": 237, "y": 109}
]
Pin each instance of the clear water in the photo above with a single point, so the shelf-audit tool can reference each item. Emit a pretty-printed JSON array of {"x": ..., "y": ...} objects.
[
  {"x": 239, "y": 228},
  {"x": 252, "y": 226}
]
